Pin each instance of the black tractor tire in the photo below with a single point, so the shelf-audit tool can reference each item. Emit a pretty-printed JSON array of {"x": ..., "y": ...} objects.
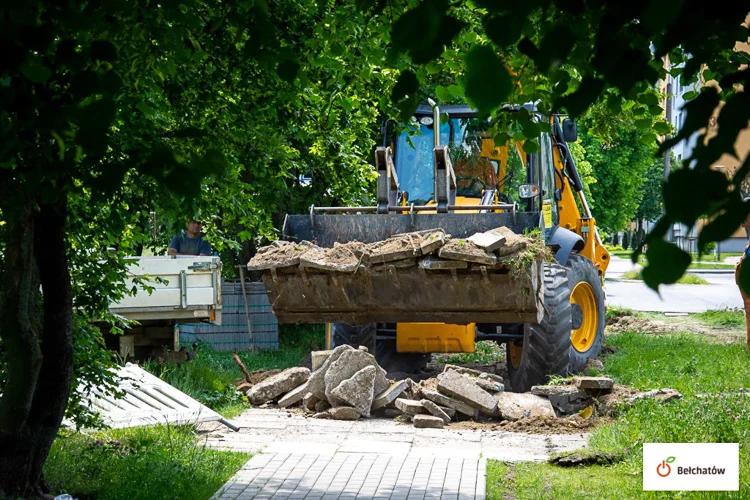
[
  {"x": 354, "y": 335},
  {"x": 582, "y": 270},
  {"x": 384, "y": 351},
  {"x": 546, "y": 346}
]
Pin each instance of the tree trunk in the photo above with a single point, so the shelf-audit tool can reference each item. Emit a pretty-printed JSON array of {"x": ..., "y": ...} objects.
[{"x": 40, "y": 364}]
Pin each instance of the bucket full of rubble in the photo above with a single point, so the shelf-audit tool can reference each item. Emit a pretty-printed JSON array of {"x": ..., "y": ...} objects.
[{"x": 491, "y": 276}]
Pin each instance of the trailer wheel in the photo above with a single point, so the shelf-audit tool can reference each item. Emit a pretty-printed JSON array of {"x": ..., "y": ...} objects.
[
  {"x": 545, "y": 348},
  {"x": 588, "y": 312},
  {"x": 384, "y": 351}
]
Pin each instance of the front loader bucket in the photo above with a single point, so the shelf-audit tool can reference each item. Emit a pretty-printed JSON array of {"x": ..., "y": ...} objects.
[{"x": 402, "y": 291}]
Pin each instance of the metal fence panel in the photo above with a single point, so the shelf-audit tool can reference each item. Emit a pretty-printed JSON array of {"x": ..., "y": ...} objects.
[{"x": 233, "y": 334}]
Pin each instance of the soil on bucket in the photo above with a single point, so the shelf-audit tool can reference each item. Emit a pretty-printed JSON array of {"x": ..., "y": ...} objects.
[
  {"x": 282, "y": 254},
  {"x": 403, "y": 246},
  {"x": 338, "y": 258},
  {"x": 462, "y": 249}
]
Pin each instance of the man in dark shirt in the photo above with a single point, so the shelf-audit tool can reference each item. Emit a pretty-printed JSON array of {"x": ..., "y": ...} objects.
[{"x": 190, "y": 242}]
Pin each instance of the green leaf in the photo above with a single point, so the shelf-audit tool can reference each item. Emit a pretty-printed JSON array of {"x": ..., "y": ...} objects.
[
  {"x": 424, "y": 31},
  {"x": 627, "y": 105},
  {"x": 456, "y": 90},
  {"x": 488, "y": 83},
  {"x": 35, "y": 70},
  {"x": 404, "y": 94},
  {"x": 666, "y": 264},
  {"x": 643, "y": 123},
  {"x": 443, "y": 94},
  {"x": 686, "y": 204},
  {"x": 670, "y": 460},
  {"x": 723, "y": 226},
  {"x": 662, "y": 128},
  {"x": 531, "y": 146},
  {"x": 689, "y": 95}
]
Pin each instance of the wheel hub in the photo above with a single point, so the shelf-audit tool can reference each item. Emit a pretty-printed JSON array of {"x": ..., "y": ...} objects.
[
  {"x": 585, "y": 316},
  {"x": 577, "y": 316}
]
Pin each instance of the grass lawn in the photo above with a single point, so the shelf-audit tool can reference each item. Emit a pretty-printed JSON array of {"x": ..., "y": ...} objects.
[
  {"x": 210, "y": 377},
  {"x": 139, "y": 463},
  {"x": 687, "y": 279},
  {"x": 723, "y": 318},
  {"x": 687, "y": 362}
]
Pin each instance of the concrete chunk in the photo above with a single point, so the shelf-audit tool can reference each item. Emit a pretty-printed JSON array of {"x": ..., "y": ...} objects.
[
  {"x": 489, "y": 241},
  {"x": 293, "y": 396},
  {"x": 389, "y": 394},
  {"x": 410, "y": 406},
  {"x": 273, "y": 387},
  {"x": 318, "y": 358},
  {"x": 349, "y": 363},
  {"x": 489, "y": 385},
  {"x": 357, "y": 391},
  {"x": 553, "y": 390},
  {"x": 514, "y": 405},
  {"x": 513, "y": 242},
  {"x": 309, "y": 402},
  {"x": 344, "y": 413},
  {"x": 317, "y": 383},
  {"x": 435, "y": 410},
  {"x": 594, "y": 383},
  {"x": 465, "y": 250},
  {"x": 432, "y": 241},
  {"x": 428, "y": 422},
  {"x": 474, "y": 373},
  {"x": 448, "y": 402},
  {"x": 464, "y": 389}
]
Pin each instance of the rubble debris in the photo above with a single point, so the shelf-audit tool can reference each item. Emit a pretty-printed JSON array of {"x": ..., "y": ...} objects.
[
  {"x": 279, "y": 254},
  {"x": 402, "y": 246},
  {"x": 338, "y": 259},
  {"x": 435, "y": 410},
  {"x": 357, "y": 391},
  {"x": 662, "y": 395},
  {"x": 344, "y": 413},
  {"x": 513, "y": 406},
  {"x": 593, "y": 383},
  {"x": 464, "y": 389},
  {"x": 293, "y": 396},
  {"x": 389, "y": 395},
  {"x": 463, "y": 370},
  {"x": 445, "y": 401},
  {"x": 244, "y": 386},
  {"x": 513, "y": 242},
  {"x": 428, "y": 422},
  {"x": 358, "y": 248},
  {"x": 346, "y": 365},
  {"x": 318, "y": 358},
  {"x": 410, "y": 406},
  {"x": 363, "y": 348},
  {"x": 432, "y": 241},
  {"x": 309, "y": 402},
  {"x": 576, "y": 458},
  {"x": 489, "y": 241},
  {"x": 317, "y": 384},
  {"x": 465, "y": 250},
  {"x": 565, "y": 399},
  {"x": 273, "y": 387},
  {"x": 489, "y": 385},
  {"x": 392, "y": 412}
]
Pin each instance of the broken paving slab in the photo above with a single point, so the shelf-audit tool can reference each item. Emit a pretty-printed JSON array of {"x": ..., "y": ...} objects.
[
  {"x": 410, "y": 406},
  {"x": 474, "y": 373},
  {"x": 515, "y": 405},
  {"x": 399, "y": 247},
  {"x": 337, "y": 259},
  {"x": 318, "y": 358},
  {"x": 594, "y": 383},
  {"x": 428, "y": 422},
  {"x": 389, "y": 395},
  {"x": 346, "y": 365},
  {"x": 357, "y": 391},
  {"x": 662, "y": 395},
  {"x": 317, "y": 384},
  {"x": 489, "y": 385},
  {"x": 432, "y": 241},
  {"x": 446, "y": 401},
  {"x": 465, "y": 250},
  {"x": 513, "y": 242},
  {"x": 294, "y": 396},
  {"x": 309, "y": 401},
  {"x": 275, "y": 256},
  {"x": 464, "y": 389},
  {"x": 435, "y": 410},
  {"x": 281, "y": 383},
  {"x": 488, "y": 241}
]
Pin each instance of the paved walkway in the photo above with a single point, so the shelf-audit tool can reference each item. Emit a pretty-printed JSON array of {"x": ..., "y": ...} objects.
[{"x": 300, "y": 457}]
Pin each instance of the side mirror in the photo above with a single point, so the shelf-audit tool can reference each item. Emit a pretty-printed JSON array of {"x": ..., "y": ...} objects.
[{"x": 570, "y": 130}]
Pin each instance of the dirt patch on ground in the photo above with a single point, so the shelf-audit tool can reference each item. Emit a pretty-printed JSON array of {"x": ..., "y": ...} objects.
[
  {"x": 623, "y": 321},
  {"x": 537, "y": 425}
]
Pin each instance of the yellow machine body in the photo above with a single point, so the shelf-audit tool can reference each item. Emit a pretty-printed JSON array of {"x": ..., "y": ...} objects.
[{"x": 434, "y": 337}]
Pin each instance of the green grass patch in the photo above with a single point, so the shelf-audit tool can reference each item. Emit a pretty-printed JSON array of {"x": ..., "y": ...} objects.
[
  {"x": 685, "y": 362},
  {"x": 139, "y": 463},
  {"x": 686, "y": 279},
  {"x": 210, "y": 377},
  {"x": 486, "y": 352},
  {"x": 728, "y": 318},
  {"x": 702, "y": 265}
]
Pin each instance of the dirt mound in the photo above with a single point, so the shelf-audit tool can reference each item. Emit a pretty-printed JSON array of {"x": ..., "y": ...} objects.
[
  {"x": 535, "y": 425},
  {"x": 279, "y": 254}
]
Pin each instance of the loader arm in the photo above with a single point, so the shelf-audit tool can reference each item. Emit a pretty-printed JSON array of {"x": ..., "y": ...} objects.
[{"x": 570, "y": 188}]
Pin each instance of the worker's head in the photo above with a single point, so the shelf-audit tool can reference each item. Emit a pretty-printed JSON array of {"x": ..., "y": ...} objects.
[{"x": 193, "y": 226}]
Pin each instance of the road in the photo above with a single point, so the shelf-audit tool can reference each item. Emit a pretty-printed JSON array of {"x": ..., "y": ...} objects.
[{"x": 720, "y": 293}]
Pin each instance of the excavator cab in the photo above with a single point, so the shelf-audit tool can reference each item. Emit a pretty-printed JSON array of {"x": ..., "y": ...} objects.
[{"x": 550, "y": 314}]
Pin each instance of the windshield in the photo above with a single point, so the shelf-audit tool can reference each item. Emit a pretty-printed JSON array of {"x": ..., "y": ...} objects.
[{"x": 478, "y": 164}]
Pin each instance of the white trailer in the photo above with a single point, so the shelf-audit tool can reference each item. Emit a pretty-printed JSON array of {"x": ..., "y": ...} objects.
[{"x": 182, "y": 289}]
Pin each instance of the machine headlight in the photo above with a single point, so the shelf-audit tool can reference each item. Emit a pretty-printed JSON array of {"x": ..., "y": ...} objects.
[{"x": 526, "y": 191}]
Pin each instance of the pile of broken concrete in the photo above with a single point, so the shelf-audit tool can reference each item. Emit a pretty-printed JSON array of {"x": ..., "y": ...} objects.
[
  {"x": 347, "y": 383},
  {"x": 431, "y": 249}
]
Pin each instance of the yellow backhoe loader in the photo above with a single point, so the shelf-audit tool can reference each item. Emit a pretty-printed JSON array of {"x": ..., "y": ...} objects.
[{"x": 443, "y": 170}]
